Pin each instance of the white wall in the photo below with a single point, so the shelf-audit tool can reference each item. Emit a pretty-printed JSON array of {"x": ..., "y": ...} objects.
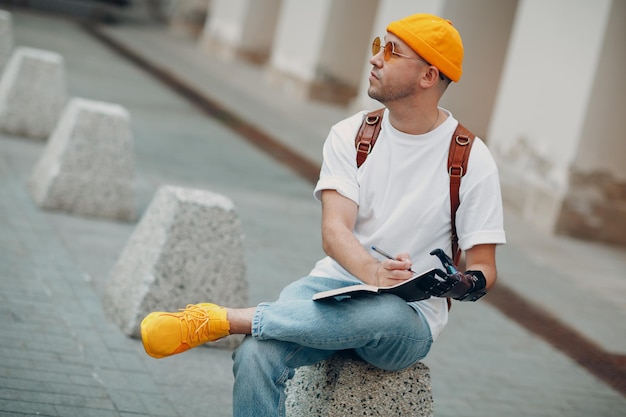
[
  {"x": 300, "y": 37},
  {"x": 603, "y": 147},
  {"x": 485, "y": 27},
  {"x": 224, "y": 22},
  {"x": 542, "y": 100},
  {"x": 348, "y": 28}
]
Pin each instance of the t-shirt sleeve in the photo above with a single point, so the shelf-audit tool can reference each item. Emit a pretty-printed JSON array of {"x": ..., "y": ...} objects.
[
  {"x": 480, "y": 218},
  {"x": 339, "y": 170}
]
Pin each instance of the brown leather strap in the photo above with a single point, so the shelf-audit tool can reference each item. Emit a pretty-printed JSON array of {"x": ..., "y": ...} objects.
[
  {"x": 460, "y": 147},
  {"x": 367, "y": 135}
]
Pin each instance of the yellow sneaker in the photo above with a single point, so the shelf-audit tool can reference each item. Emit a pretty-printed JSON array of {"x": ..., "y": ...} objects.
[{"x": 165, "y": 334}]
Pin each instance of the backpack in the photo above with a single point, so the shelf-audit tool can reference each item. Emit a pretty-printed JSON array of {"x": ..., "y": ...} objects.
[{"x": 458, "y": 155}]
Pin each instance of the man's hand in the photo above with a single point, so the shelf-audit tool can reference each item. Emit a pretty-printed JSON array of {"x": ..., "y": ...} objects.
[
  {"x": 468, "y": 286},
  {"x": 391, "y": 272}
]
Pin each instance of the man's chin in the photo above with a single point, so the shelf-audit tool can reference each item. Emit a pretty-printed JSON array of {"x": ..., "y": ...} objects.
[{"x": 373, "y": 95}]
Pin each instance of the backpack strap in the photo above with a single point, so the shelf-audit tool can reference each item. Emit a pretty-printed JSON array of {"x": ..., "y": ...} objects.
[
  {"x": 460, "y": 147},
  {"x": 367, "y": 135}
]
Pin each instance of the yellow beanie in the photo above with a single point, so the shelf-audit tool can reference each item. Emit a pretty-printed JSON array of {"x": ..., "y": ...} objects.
[{"x": 434, "y": 39}]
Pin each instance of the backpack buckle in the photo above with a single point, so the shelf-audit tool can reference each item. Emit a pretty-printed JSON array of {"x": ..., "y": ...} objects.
[
  {"x": 455, "y": 172},
  {"x": 462, "y": 140},
  {"x": 366, "y": 148},
  {"x": 372, "y": 120}
]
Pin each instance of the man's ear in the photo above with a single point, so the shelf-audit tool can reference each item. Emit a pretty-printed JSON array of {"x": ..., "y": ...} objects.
[{"x": 430, "y": 78}]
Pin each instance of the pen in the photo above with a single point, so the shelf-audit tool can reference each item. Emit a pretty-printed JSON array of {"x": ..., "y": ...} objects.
[{"x": 386, "y": 255}]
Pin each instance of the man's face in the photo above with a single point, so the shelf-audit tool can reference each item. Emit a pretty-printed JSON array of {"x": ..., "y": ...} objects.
[{"x": 398, "y": 77}]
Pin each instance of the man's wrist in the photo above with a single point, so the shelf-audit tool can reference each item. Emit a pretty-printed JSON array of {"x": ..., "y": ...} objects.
[{"x": 374, "y": 273}]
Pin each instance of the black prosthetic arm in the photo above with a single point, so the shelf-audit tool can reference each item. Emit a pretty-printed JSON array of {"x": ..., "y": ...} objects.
[{"x": 468, "y": 286}]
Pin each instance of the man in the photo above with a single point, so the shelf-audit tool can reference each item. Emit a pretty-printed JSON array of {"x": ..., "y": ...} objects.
[{"x": 398, "y": 200}]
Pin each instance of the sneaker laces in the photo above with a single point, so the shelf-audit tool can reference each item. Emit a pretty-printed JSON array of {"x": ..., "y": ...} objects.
[{"x": 197, "y": 320}]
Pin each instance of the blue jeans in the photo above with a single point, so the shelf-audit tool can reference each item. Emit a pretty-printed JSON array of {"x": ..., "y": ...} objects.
[{"x": 295, "y": 331}]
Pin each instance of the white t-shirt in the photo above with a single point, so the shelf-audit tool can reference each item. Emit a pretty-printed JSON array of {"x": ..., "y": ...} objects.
[{"x": 403, "y": 194}]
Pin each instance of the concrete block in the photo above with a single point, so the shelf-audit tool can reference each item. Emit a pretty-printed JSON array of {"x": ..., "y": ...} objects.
[
  {"x": 186, "y": 249},
  {"x": 6, "y": 38},
  {"x": 343, "y": 385},
  {"x": 87, "y": 166},
  {"x": 33, "y": 92}
]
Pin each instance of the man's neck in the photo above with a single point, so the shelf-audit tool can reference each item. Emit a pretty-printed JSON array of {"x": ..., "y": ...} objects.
[{"x": 415, "y": 120}]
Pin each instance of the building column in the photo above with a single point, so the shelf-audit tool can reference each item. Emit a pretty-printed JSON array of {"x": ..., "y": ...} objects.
[
  {"x": 241, "y": 28},
  {"x": 319, "y": 48},
  {"x": 594, "y": 206},
  {"x": 187, "y": 17},
  {"x": 560, "y": 153},
  {"x": 485, "y": 27}
]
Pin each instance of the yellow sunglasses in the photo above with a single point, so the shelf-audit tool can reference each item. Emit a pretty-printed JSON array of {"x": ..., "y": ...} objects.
[{"x": 388, "y": 51}]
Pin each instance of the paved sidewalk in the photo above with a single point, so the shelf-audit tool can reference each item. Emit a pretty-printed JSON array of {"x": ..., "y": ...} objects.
[{"x": 60, "y": 356}]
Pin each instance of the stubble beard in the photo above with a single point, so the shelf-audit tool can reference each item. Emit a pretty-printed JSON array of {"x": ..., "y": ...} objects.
[{"x": 393, "y": 93}]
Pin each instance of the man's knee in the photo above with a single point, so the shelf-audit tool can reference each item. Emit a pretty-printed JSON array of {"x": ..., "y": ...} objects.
[
  {"x": 395, "y": 354},
  {"x": 391, "y": 312}
]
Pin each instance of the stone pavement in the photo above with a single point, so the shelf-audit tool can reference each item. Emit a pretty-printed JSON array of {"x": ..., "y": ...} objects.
[{"x": 60, "y": 356}]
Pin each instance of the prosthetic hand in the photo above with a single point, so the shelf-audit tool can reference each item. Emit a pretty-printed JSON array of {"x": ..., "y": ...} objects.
[{"x": 468, "y": 286}]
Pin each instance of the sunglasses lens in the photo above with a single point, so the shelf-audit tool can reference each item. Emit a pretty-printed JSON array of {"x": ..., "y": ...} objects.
[
  {"x": 388, "y": 51},
  {"x": 376, "y": 46}
]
